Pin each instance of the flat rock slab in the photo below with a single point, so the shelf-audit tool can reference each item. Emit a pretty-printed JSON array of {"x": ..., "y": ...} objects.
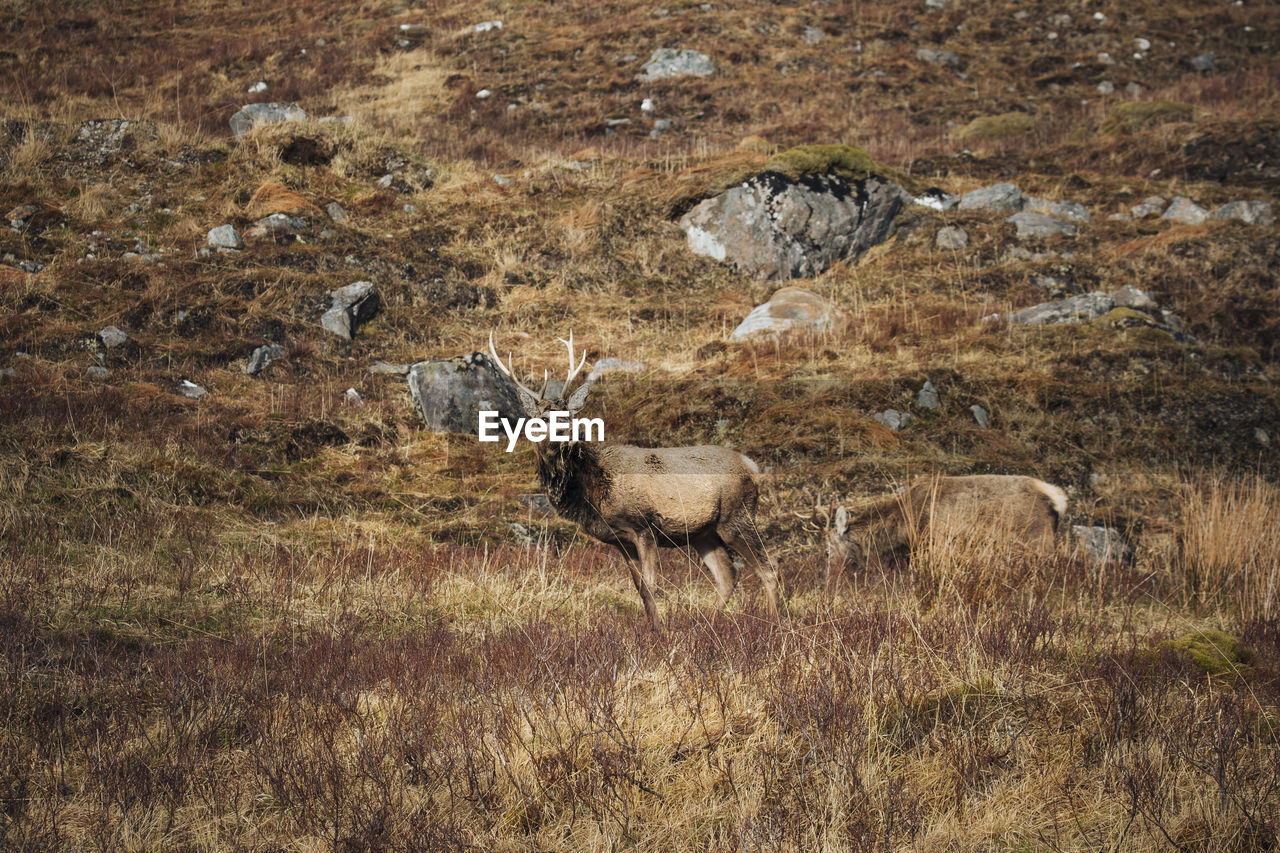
[
  {"x": 789, "y": 309},
  {"x": 225, "y": 237},
  {"x": 1001, "y": 198},
  {"x": 1074, "y": 309},
  {"x": 1185, "y": 211},
  {"x": 668, "y": 63},
  {"x": 257, "y": 115},
  {"x": 1248, "y": 212},
  {"x": 449, "y": 394},
  {"x": 1040, "y": 226},
  {"x": 775, "y": 227}
]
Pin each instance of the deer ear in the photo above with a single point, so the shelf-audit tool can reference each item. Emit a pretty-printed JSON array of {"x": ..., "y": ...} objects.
[
  {"x": 578, "y": 399},
  {"x": 528, "y": 402},
  {"x": 842, "y": 521}
]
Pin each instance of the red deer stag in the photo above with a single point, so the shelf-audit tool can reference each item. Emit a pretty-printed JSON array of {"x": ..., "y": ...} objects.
[
  {"x": 1022, "y": 510},
  {"x": 640, "y": 499}
]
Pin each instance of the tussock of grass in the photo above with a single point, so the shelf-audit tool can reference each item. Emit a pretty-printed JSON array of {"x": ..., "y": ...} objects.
[
  {"x": 1215, "y": 652},
  {"x": 1132, "y": 115},
  {"x": 1000, "y": 126}
]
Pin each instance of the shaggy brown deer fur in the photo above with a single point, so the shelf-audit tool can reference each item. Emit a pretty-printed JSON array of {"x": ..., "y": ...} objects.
[
  {"x": 1022, "y": 510},
  {"x": 642, "y": 499}
]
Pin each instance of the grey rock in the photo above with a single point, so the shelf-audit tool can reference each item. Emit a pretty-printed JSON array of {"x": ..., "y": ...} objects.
[
  {"x": 789, "y": 309},
  {"x": 1106, "y": 87},
  {"x": 893, "y": 419},
  {"x": 928, "y": 397},
  {"x": 449, "y": 394},
  {"x": 353, "y": 398},
  {"x": 335, "y": 212},
  {"x": 668, "y": 63},
  {"x": 1131, "y": 297},
  {"x": 1040, "y": 226},
  {"x": 258, "y": 115},
  {"x": 1185, "y": 211},
  {"x": 191, "y": 390},
  {"x": 935, "y": 5},
  {"x": 262, "y": 357},
  {"x": 1262, "y": 436},
  {"x": 935, "y": 198},
  {"x": 112, "y": 337},
  {"x": 1000, "y": 198},
  {"x": 1248, "y": 212},
  {"x": 97, "y": 371},
  {"x": 773, "y": 227},
  {"x": 11, "y": 373},
  {"x": 951, "y": 237},
  {"x": 613, "y": 365},
  {"x": 352, "y": 305},
  {"x": 939, "y": 57},
  {"x": 1101, "y": 545},
  {"x": 30, "y": 266},
  {"x": 1072, "y": 210},
  {"x": 812, "y": 35},
  {"x": 1152, "y": 205},
  {"x": 1204, "y": 63},
  {"x": 536, "y": 504},
  {"x": 276, "y": 223},
  {"x": 19, "y": 216},
  {"x": 980, "y": 416},
  {"x": 1073, "y": 309},
  {"x": 225, "y": 237},
  {"x": 520, "y": 533}
]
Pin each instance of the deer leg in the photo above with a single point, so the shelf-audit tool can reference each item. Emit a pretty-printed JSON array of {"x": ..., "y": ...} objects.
[
  {"x": 745, "y": 541},
  {"x": 712, "y": 552},
  {"x": 644, "y": 573}
]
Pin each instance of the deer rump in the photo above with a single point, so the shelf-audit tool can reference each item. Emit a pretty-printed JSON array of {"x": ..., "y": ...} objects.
[{"x": 1003, "y": 510}]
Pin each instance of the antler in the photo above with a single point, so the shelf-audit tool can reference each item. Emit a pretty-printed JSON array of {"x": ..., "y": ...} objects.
[
  {"x": 573, "y": 371},
  {"x": 511, "y": 373}
]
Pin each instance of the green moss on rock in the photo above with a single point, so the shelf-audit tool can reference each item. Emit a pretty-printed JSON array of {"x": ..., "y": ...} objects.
[
  {"x": 1215, "y": 652},
  {"x": 999, "y": 127},
  {"x": 847, "y": 161}
]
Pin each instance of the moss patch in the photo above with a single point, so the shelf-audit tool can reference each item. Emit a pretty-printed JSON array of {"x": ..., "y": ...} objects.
[
  {"x": 1215, "y": 652},
  {"x": 1136, "y": 114},
  {"x": 999, "y": 127},
  {"x": 847, "y": 161}
]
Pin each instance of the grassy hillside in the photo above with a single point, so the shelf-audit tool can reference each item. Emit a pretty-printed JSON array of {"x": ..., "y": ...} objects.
[{"x": 271, "y": 619}]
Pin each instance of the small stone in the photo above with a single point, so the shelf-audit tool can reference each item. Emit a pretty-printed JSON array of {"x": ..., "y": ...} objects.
[
  {"x": 257, "y": 115},
  {"x": 276, "y": 224},
  {"x": 353, "y": 398},
  {"x": 225, "y": 237},
  {"x": 951, "y": 237},
  {"x": 260, "y": 86},
  {"x": 97, "y": 371},
  {"x": 486, "y": 26},
  {"x": 980, "y": 416},
  {"x": 1001, "y": 198},
  {"x": 262, "y": 357},
  {"x": 812, "y": 35},
  {"x": 536, "y": 504},
  {"x": 1106, "y": 87},
  {"x": 352, "y": 305},
  {"x": 335, "y": 212},
  {"x": 112, "y": 337},
  {"x": 1131, "y": 297},
  {"x": 1263, "y": 437},
  {"x": 893, "y": 419},
  {"x": 1152, "y": 205},
  {"x": 483, "y": 94},
  {"x": 191, "y": 390},
  {"x": 936, "y": 198},
  {"x": 386, "y": 180},
  {"x": 1071, "y": 210},
  {"x": 1248, "y": 212},
  {"x": 1040, "y": 226},
  {"x": 387, "y": 369},
  {"x": 1134, "y": 90},
  {"x": 928, "y": 397},
  {"x": 939, "y": 57},
  {"x": 1203, "y": 63},
  {"x": 1185, "y": 211},
  {"x": 790, "y": 308}
]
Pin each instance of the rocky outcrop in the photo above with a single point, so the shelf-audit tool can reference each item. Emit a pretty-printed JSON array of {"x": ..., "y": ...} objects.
[
  {"x": 256, "y": 115},
  {"x": 777, "y": 227},
  {"x": 449, "y": 394},
  {"x": 668, "y": 63}
]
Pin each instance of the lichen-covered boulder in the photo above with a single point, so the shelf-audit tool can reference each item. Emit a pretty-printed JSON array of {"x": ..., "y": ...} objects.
[
  {"x": 806, "y": 211},
  {"x": 450, "y": 393}
]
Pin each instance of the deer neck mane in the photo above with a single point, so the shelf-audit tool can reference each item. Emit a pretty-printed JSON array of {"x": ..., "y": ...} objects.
[{"x": 574, "y": 479}]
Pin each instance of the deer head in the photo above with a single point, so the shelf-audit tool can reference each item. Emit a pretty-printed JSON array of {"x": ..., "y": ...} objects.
[{"x": 537, "y": 403}]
